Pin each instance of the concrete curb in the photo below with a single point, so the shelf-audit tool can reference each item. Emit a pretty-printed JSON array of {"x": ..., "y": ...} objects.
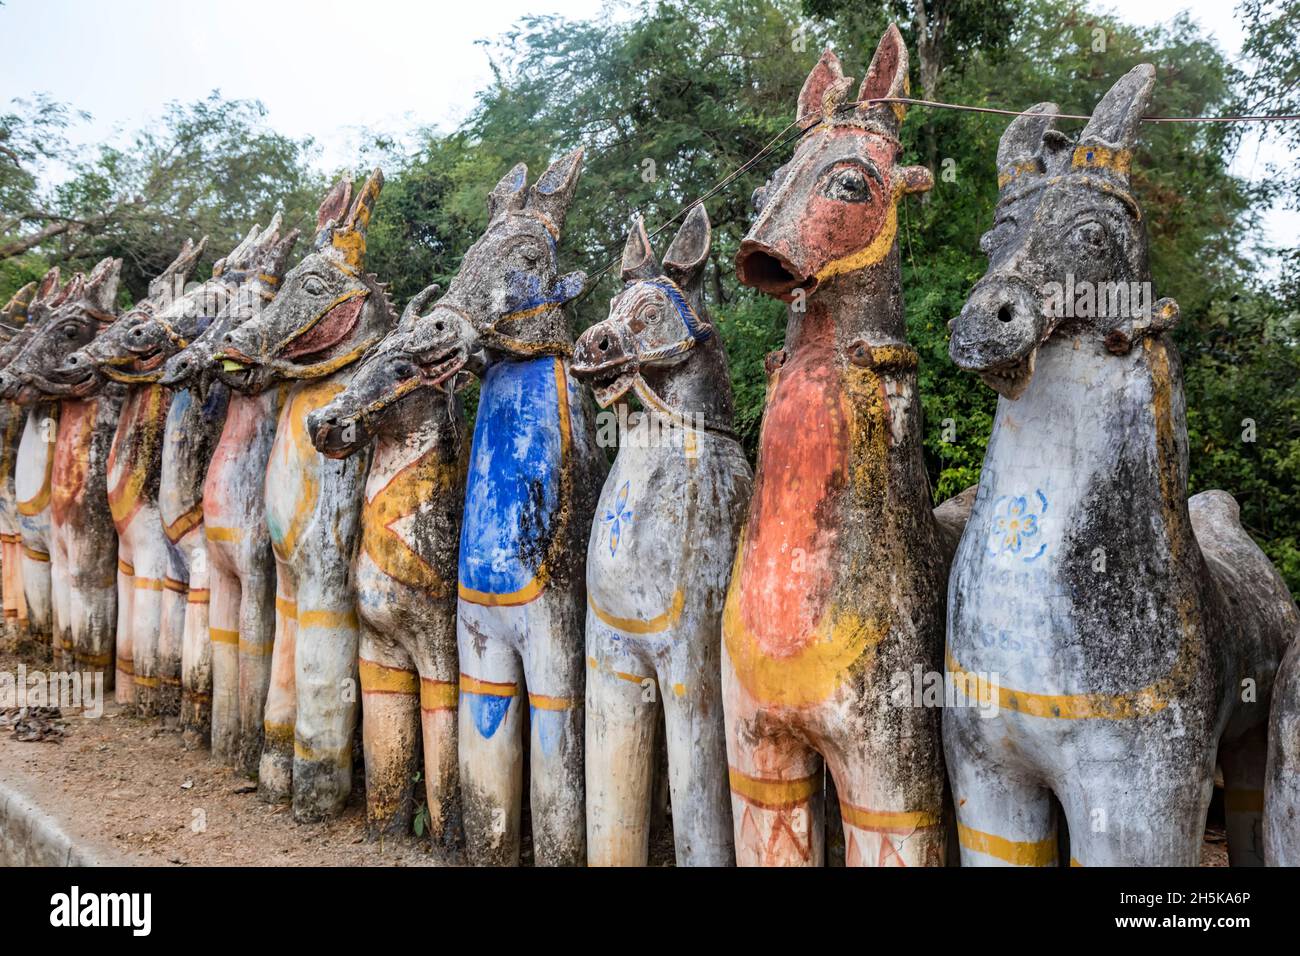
[{"x": 31, "y": 837}]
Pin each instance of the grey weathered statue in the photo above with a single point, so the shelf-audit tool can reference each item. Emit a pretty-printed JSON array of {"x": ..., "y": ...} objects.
[{"x": 1106, "y": 639}]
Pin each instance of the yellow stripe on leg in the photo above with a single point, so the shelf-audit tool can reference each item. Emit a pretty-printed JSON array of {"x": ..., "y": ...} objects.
[{"x": 1015, "y": 852}]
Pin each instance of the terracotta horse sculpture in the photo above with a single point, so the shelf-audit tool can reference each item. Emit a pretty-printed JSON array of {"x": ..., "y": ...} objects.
[
  {"x": 534, "y": 473},
  {"x": 1124, "y": 636},
  {"x": 837, "y": 593},
  {"x": 83, "y": 552},
  {"x": 12, "y": 419},
  {"x": 405, "y": 575},
  {"x": 230, "y": 616},
  {"x": 659, "y": 558},
  {"x": 124, "y": 355},
  {"x": 1282, "y": 786},
  {"x": 329, "y": 312},
  {"x": 33, "y": 474},
  {"x": 134, "y": 352}
]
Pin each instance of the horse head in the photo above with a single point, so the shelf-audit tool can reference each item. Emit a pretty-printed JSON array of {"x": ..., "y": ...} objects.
[
  {"x": 657, "y": 324},
  {"x": 832, "y": 210},
  {"x": 329, "y": 311},
  {"x": 69, "y": 319},
  {"x": 1065, "y": 220}
]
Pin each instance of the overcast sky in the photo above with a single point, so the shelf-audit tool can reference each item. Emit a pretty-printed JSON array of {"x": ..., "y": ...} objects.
[{"x": 380, "y": 64}]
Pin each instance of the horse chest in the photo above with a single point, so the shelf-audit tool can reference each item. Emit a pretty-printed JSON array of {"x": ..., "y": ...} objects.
[
  {"x": 410, "y": 523},
  {"x": 76, "y": 462},
  {"x": 135, "y": 458},
  {"x": 295, "y": 470},
  {"x": 35, "y": 469},
  {"x": 647, "y": 523},
  {"x": 188, "y": 438},
  {"x": 233, "y": 491},
  {"x": 519, "y": 484}
]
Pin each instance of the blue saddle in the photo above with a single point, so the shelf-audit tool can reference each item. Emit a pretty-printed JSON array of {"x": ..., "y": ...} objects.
[{"x": 521, "y": 437}]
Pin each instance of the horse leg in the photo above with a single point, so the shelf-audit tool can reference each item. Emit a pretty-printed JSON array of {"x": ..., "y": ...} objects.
[
  {"x": 325, "y": 672},
  {"x": 11, "y": 570},
  {"x": 554, "y": 676},
  {"x": 61, "y": 616},
  {"x": 697, "y": 752},
  {"x": 390, "y": 693},
  {"x": 275, "y": 770},
  {"x": 196, "y": 650},
  {"x": 622, "y": 705},
  {"x": 37, "y": 593},
  {"x": 489, "y": 734},
  {"x": 1002, "y": 819},
  {"x": 258, "y": 614},
  {"x": 435, "y": 657},
  {"x": 146, "y": 622},
  {"x": 223, "y": 648},
  {"x": 171, "y": 634},
  {"x": 1282, "y": 803},
  {"x": 1138, "y": 813},
  {"x": 93, "y": 610},
  {"x": 1244, "y": 762},
  {"x": 125, "y": 663}
]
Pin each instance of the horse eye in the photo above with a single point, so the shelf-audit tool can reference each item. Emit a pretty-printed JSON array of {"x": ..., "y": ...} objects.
[
  {"x": 849, "y": 185},
  {"x": 313, "y": 286},
  {"x": 1090, "y": 233}
]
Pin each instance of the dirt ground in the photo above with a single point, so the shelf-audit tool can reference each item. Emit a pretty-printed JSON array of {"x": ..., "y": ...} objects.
[{"x": 130, "y": 790}]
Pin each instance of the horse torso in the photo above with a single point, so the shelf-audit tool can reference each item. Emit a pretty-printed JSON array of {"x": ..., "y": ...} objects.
[
  {"x": 135, "y": 458},
  {"x": 1078, "y": 581},
  {"x": 34, "y": 474},
  {"x": 410, "y": 529},
  {"x": 665, "y": 526},
  {"x": 839, "y": 563},
  {"x": 527, "y": 466},
  {"x": 192, "y": 430},
  {"x": 234, "y": 504},
  {"x": 312, "y": 502}
]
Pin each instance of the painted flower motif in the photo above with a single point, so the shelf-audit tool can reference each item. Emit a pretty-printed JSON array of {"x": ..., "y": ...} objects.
[
  {"x": 617, "y": 517},
  {"x": 1017, "y": 521}
]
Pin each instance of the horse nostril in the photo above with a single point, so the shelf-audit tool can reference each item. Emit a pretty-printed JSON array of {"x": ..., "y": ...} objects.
[
  {"x": 228, "y": 339},
  {"x": 603, "y": 345},
  {"x": 1004, "y": 314},
  {"x": 72, "y": 360},
  {"x": 440, "y": 325}
]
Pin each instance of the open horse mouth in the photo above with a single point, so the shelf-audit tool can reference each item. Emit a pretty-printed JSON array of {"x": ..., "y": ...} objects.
[
  {"x": 1011, "y": 378},
  {"x": 440, "y": 371},
  {"x": 610, "y": 383},
  {"x": 763, "y": 269}
]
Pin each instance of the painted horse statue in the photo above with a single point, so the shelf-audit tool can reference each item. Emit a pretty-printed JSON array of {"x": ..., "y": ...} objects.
[
  {"x": 33, "y": 475},
  {"x": 659, "y": 558},
  {"x": 83, "y": 542},
  {"x": 1115, "y": 636},
  {"x": 328, "y": 313},
  {"x": 12, "y": 419},
  {"x": 230, "y": 616},
  {"x": 1282, "y": 786},
  {"x": 148, "y": 650},
  {"x": 405, "y": 576},
  {"x": 134, "y": 352},
  {"x": 837, "y": 595},
  {"x": 534, "y": 474}
]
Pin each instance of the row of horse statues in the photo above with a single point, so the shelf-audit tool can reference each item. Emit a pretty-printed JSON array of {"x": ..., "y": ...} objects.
[{"x": 243, "y": 498}]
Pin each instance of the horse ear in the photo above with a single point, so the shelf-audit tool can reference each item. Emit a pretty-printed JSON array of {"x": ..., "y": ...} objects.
[
  {"x": 552, "y": 194},
  {"x": 48, "y": 286},
  {"x": 419, "y": 303},
  {"x": 689, "y": 252},
  {"x": 638, "y": 258},
  {"x": 1116, "y": 118},
  {"x": 15, "y": 311},
  {"x": 363, "y": 207},
  {"x": 509, "y": 194},
  {"x": 166, "y": 284},
  {"x": 1020, "y": 150},
  {"x": 101, "y": 287},
  {"x": 825, "y": 75},
  {"x": 335, "y": 204},
  {"x": 886, "y": 77}
]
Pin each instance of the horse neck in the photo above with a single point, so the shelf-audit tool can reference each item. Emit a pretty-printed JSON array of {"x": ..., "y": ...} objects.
[
  {"x": 1094, "y": 425},
  {"x": 866, "y": 304},
  {"x": 697, "y": 389},
  {"x": 424, "y": 422}
]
